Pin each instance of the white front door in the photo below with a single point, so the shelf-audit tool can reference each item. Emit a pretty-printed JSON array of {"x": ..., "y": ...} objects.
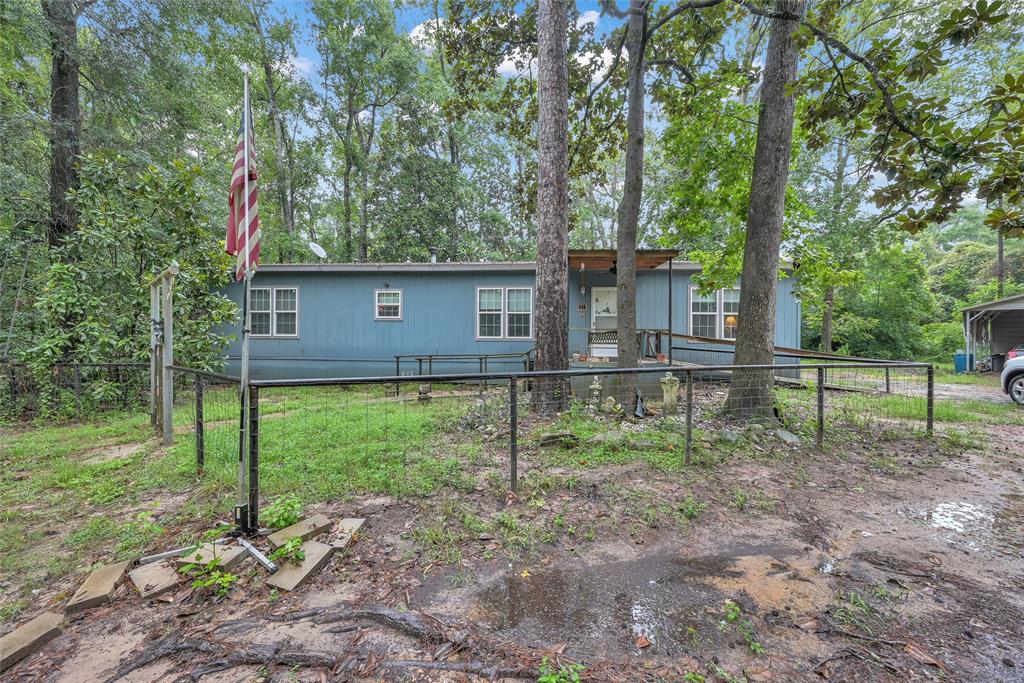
[{"x": 604, "y": 316}]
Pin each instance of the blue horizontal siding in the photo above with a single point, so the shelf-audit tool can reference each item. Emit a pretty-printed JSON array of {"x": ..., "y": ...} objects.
[{"x": 338, "y": 334}]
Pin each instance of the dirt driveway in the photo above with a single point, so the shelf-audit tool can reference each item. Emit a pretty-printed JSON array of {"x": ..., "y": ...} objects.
[{"x": 875, "y": 560}]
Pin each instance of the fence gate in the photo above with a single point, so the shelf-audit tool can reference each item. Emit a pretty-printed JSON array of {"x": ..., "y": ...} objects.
[{"x": 161, "y": 353}]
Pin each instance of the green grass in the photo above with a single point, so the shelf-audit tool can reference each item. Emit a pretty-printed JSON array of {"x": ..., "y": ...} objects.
[
  {"x": 58, "y": 513},
  {"x": 896, "y": 407}
]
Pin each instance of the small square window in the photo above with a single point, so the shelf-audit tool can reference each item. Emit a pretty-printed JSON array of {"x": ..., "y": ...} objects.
[{"x": 387, "y": 304}]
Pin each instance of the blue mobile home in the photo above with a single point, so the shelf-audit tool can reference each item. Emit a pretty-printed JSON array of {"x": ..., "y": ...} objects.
[{"x": 354, "y": 319}]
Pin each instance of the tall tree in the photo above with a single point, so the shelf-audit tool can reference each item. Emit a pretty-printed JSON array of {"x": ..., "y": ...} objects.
[
  {"x": 632, "y": 191},
  {"x": 552, "y": 282},
  {"x": 65, "y": 114},
  {"x": 750, "y": 392}
]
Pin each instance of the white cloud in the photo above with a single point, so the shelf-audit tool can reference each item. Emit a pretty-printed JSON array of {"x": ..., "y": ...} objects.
[
  {"x": 422, "y": 35},
  {"x": 296, "y": 65},
  {"x": 604, "y": 62},
  {"x": 590, "y": 17},
  {"x": 509, "y": 68}
]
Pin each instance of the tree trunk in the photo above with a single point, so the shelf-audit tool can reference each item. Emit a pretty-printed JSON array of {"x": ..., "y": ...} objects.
[
  {"x": 826, "y": 319},
  {"x": 750, "y": 393},
  {"x": 65, "y": 116},
  {"x": 629, "y": 207},
  {"x": 350, "y": 117},
  {"x": 552, "y": 283},
  {"x": 284, "y": 181}
]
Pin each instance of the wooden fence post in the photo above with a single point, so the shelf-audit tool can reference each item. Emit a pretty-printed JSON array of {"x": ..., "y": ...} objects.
[
  {"x": 820, "y": 431},
  {"x": 168, "y": 359}
]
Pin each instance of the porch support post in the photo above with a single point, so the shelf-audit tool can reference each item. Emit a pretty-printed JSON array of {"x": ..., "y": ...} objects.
[{"x": 670, "y": 312}]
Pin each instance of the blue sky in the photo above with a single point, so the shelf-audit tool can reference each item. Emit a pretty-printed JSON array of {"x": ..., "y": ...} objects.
[{"x": 408, "y": 17}]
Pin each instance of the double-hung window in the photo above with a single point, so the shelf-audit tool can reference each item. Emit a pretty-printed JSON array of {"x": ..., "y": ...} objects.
[
  {"x": 730, "y": 312},
  {"x": 716, "y": 314},
  {"x": 274, "y": 311},
  {"x": 703, "y": 314},
  {"x": 504, "y": 313},
  {"x": 387, "y": 304}
]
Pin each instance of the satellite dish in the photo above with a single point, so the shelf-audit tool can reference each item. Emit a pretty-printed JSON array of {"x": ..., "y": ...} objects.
[{"x": 318, "y": 250}]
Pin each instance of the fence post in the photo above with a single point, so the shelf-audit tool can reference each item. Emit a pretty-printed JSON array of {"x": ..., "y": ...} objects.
[
  {"x": 820, "y": 432},
  {"x": 513, "y": 441},
  {"x": 419, "y": 366},
  {"x": 689, "y": 416},
  {"x": 200, "y": 436},
  {"x": 154, "y": 360},
  {"x": 78, "y": 389},
  {"x": 888, "y": 388},
  {"x": 254, "y": 457},
  {"x": 398, "y": 372},
  {"x": 931, "y": 399},
  {"x": 168, "y": 359}
]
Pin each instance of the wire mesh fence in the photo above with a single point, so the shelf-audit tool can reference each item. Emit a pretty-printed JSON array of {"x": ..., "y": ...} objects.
[
  {"x": 71, "y": 390},
  {"x": 207, "y": 414},
  {"x": 402, "y": 434}
]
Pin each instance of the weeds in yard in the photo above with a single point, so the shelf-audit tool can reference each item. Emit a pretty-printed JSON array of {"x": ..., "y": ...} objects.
[
  {"x": 210, "y": 577},
  {"x": 551, "y": 672},
  {"x": 282, "y": 512},
  {"x": 290, "y": 552},
  {"x": 732, "y": 617},
  {"x": 856, "y": 611}
]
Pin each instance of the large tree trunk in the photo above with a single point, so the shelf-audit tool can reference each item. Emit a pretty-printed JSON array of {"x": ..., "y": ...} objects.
[
  {"x": 750, "y": 393},
  {"x": 552, "y": 284},
  {"x": 826, "y": 319},
  {"x": 629, "y": 207},
  {"x": 65, "y": 116}
]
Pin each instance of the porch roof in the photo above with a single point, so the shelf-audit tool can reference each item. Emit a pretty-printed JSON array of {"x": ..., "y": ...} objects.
[{"x": 604, "y": 259}]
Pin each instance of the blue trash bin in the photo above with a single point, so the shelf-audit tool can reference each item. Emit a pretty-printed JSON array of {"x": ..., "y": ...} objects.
[{"x": 961, "y": 362}]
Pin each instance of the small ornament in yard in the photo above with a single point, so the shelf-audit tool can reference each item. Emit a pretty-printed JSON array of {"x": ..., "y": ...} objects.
[
  {"x": 595, "y": 391},
  {"x": 424, "y": 392},
  {"x": 670, "y": 393}
]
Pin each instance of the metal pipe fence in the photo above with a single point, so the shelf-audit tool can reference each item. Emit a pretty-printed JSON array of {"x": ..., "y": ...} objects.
[{"x": 347, "y": 430}]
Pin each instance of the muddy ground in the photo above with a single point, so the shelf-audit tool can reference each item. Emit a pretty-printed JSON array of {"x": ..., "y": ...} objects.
[{"x": 873, "y": 559}]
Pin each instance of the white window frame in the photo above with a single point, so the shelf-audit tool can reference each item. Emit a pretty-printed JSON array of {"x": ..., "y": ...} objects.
[
  {"x": 273, "y": 312},
  {"x": 504, "y": 313},
  {"x": 719, "y": 312},
  {"x": 721, "y": 296},
  {"x": 401, "y": 305}
]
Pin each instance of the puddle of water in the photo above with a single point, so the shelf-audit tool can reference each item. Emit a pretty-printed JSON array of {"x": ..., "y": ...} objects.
[
  {"x": 962, "y": 517},
  {"x": 976, "y": 526},
  {"x": 605, "y": 607}
]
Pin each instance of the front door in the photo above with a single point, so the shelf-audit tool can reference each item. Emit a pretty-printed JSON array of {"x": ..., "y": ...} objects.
[{"x": 604, "y": 316}]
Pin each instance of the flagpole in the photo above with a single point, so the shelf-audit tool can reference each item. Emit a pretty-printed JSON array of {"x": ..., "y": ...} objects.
[{"x": 242, "y": 520}]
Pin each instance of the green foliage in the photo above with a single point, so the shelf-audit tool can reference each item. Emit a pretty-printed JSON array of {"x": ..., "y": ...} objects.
[
  {"x": 134, "y": 223},
  {"x": 282, "y": 512},
  {"x": 291, "y": 552},
  {"x": 210, "y": 577},
  {"x": 551, "y": 672}
]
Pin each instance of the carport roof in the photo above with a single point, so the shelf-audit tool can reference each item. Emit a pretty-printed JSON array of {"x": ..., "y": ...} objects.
[{"x": 1010, "y": 303}]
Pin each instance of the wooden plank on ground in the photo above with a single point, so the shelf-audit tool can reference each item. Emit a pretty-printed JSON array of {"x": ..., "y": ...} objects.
[
  {"x": 229, "y": 556},
  {"x": 305, "y": 529},
  {"x": 347, "y": 530},
  {"x": 155, "y": 578},
  {"x": 291, "y": 575},
  {"x": 98, "y": 588},
  {"x": 29, "y": 638}
]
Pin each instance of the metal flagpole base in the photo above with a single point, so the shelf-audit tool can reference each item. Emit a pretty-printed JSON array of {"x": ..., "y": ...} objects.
[{"x": 242, "y": 524}]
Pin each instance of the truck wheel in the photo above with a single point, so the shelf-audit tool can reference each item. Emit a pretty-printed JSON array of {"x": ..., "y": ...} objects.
[{"x": 1017, "y": 390}]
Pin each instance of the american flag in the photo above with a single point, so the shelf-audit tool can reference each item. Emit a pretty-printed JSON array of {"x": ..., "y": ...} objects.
[{"x": 235, "y": 243}]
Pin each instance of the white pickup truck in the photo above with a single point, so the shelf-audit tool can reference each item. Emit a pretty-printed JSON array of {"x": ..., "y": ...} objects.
[{"x": 1012, "y": 379}]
